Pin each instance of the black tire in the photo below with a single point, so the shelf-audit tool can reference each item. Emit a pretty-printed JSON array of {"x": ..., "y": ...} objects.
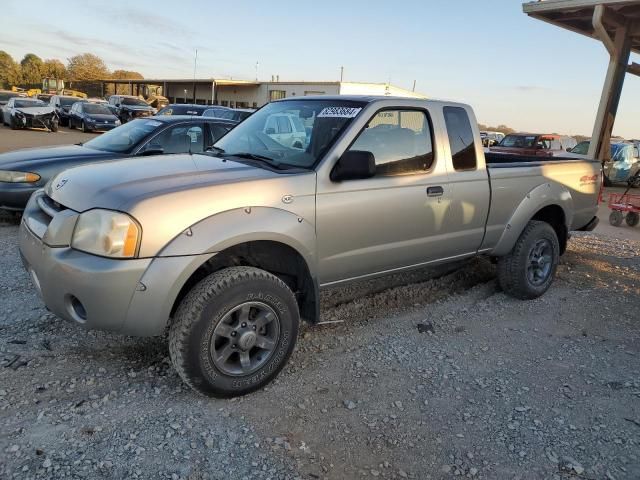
[
  {"x": 616, "y": 217},
  {"x": 209, "y": 308},
  {"x": 54, "y": 125},
  {"x": 13, "y": 124},
  {"x": 84, "y": 128},
  {"x": 606, "y": 182},
  {"x": 71, "y": 125},
  {"x": 632, "y": 219},
  {"x": 523, "y": 273}
]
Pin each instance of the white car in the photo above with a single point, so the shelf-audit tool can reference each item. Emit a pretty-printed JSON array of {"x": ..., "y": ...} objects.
[{"x": 287, "y": 130}]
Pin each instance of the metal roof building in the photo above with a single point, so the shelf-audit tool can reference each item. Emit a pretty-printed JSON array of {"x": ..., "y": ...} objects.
[
  {"x": 248, "y": 94},
  {"x": 616, "y": 23}
]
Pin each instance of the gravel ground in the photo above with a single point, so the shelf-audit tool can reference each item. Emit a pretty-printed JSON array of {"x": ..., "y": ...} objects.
[{"x": 435, "y": 379}]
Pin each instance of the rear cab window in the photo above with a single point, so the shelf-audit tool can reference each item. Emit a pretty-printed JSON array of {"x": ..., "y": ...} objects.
[{"x": 463, "y": 149}]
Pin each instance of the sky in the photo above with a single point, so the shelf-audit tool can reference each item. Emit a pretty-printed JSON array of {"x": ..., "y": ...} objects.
[{"x": 512, "y": 69}]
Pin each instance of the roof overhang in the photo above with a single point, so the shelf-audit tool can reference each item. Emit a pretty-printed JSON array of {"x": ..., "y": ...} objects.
[{"x": 577, "y": 16}]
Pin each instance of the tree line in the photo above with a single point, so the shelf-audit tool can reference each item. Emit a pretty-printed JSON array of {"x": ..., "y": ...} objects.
[{"x": 30, "y": 71}]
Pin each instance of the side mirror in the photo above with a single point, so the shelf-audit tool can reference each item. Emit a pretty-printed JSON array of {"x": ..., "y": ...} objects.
[
  {"x": 153, "y": 150},
  {"x": 354, "y": 165},
  {"x": 568, "y": 149}
]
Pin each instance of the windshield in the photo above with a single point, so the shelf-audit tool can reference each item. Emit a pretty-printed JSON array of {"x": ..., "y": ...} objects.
[
  {"x": 581, "y": 148},
  {"x": 294, "y": 132},
  {"x": 68, "y": 101},
  {"x": 518, "y": 141},
  {"x": 28, "y": 103},
  {"x": 96, "y": 109},
  {"x": 134, "y": 101},
  {"x": 124, "y": 138}
]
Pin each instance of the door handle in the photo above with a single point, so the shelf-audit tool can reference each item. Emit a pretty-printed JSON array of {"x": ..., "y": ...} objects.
[{"x": 435, "y": 191}]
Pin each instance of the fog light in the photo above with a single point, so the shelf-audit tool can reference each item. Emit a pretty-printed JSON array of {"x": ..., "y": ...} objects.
[{"x": 77, "y": 309}]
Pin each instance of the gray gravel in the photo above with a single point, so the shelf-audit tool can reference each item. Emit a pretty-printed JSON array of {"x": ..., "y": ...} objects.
[{"x": 492, "y": 387}]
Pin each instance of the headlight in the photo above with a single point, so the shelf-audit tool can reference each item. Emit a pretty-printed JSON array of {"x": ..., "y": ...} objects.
[
  {"x": 106, "y": 233},
  {"x": 18, "y": 177}
]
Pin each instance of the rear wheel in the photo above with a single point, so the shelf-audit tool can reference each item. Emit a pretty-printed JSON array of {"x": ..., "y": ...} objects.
[
  {"x": 234, "y": 332},
  {"x": 528, "y": 270},
  {"x": 616, "y": 217},
  {"x": 632, "y": 219}
]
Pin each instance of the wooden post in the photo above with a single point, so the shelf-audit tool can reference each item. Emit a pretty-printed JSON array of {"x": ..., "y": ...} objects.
[{"x": 600, "y": 147}]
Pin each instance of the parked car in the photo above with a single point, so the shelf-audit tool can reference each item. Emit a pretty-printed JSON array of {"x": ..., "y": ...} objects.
[
  {"x": 24, "y": 171},
  {"x": 235, "y": 114},
  {"x": 5, "y": 95},
  {"x": 184, "y": 109},
  {"x": 534, "y": 144},
  {"x": 62, "y": 105},
  {"x": 286, "y": 129},
  {"x": 229, "y": 251},
  {"x": 489, "y": 139},
  {"x": 23, "y": 112},
  {"x": 623, "y": 163},
  {"x": 90, "y": 117},
  {"x": 45, "y": 97},
  {"x": 129, "y": 108}
]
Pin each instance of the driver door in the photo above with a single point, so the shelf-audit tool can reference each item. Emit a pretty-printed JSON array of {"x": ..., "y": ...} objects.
[{"x": 393, "y": 220}]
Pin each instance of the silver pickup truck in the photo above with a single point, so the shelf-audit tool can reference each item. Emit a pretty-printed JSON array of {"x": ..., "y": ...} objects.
[{"x": 229, "y": 249}]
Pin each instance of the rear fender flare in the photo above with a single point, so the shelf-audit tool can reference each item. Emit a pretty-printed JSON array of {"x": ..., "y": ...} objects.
[{"x": 544, "y": 195}]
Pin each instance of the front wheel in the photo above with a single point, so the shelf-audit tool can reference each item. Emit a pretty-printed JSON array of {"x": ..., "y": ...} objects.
[
  {"x": 528, "y": 270},
  {"x": 234, "y": 332},
  {"x": 55, "y": 125}
]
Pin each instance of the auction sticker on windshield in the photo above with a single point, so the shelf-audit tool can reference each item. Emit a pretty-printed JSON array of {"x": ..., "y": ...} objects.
[
  {"x": 339, "y": 112},
  {"x": 153, "y": 123}
]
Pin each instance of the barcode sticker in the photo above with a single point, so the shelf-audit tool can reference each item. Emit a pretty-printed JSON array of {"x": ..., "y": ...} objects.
[{"x": 339, "y": 112}]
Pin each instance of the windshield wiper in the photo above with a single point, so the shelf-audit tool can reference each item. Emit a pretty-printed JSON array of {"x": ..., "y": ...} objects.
[
  {"x": 254, "y": 156},
  {"x": 216, "y": 149}
]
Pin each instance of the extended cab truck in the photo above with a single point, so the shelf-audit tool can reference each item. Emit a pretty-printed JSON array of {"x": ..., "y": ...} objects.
[{"x": 229, "y": 249}]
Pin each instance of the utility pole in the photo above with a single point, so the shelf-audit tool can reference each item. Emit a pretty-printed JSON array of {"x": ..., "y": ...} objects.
[
  {"x": 195, "y": 65},
  {"x": 414, "y": 86},
  {"x": 341, "y": 74},
  {"x": 257, "y": 64}
]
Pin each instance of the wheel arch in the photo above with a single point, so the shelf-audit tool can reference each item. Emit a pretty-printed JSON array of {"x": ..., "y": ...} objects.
[
  {"x": 551, "y": 203},
  {"x": 273, "y": 239}
]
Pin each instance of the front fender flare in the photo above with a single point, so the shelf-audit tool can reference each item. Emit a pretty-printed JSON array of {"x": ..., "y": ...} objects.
[
  {"x": 544, "y": 195},
  {"x": 233, "y": 227}
]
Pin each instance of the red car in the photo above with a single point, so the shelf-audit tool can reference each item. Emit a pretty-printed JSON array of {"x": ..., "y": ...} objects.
[{"x": 534, "y": 144}]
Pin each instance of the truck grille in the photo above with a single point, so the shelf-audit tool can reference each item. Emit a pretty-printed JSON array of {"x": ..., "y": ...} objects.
[
  {"x": 39, "y": 216},
  {"x": 48, "y": 205}
]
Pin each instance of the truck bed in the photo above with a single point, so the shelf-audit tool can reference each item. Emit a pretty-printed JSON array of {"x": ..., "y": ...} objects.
[{"x": 510, "y": 160}]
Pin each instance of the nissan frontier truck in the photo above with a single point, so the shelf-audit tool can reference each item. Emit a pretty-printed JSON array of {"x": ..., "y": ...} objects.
[{"x": 229, "y": 250}]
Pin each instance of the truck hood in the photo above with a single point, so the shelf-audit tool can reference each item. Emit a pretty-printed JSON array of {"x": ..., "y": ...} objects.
[
  {"x": 122, "y": 184},
  {"x": 31, "y": 159}
]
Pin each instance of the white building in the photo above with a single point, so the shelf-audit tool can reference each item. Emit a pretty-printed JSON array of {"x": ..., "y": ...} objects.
[{"x": 249, "y": 94}]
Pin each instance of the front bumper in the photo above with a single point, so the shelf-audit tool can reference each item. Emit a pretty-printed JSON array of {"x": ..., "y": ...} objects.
[
  {"x": 89, "y": 290},
  {"x": 14, "y": 196},
  {"x": 133, "y": 296}
]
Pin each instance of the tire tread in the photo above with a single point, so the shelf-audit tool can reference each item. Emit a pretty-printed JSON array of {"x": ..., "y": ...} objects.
[{"x": 189, "y": 310}]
